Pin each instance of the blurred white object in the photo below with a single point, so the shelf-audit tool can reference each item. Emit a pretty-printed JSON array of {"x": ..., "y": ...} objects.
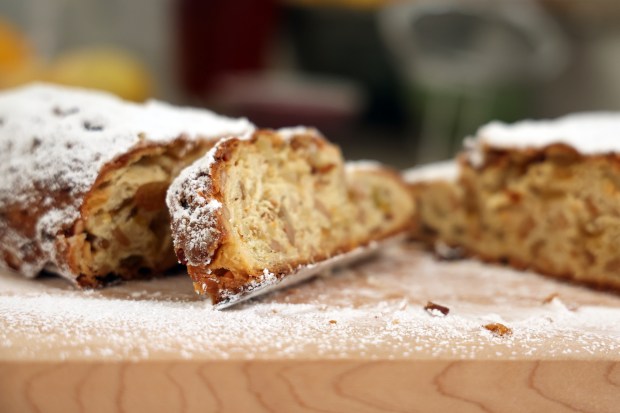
[{"x": 464, "y": 53}]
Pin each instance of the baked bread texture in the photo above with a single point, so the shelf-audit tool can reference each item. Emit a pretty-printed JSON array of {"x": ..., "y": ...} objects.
[
  {"x": 84, "y": 177},
  {"x": 253, "y": 211},
  {"x": 438, "y": 199},
  {"x": 537, "y": 195}
]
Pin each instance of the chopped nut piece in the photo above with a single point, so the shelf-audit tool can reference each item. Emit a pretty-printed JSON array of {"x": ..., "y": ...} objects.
[
  {"x": 498, "y": 329},
  {"x": 436, "y": 310},
  {"x": 332, "y": 321}
]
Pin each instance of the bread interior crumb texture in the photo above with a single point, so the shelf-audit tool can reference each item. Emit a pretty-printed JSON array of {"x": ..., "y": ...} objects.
[
  {"x": 291, "y": 201},
  {"x": 125, "y": 227}
]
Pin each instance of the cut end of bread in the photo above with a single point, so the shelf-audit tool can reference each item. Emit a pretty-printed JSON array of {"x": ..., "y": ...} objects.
[
  {"x": 286, "y": 201},
  {"x": 124, "y": 229}
]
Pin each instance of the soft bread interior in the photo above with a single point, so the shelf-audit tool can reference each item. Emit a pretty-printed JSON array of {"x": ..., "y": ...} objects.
[
  {"x": 560, "y": 215},
  {"x": 285, "y": 202},
  {"x": 125, "y": 227},
  {"x": 290, "y": 202},
  {"x": 382, "y": 201}
]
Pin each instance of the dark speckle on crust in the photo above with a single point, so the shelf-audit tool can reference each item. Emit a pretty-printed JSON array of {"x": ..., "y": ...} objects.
[
  {"x": 92, "y": 127},
  {"x": 184, "y": 203},
  {"x": 58, "y": 111}
]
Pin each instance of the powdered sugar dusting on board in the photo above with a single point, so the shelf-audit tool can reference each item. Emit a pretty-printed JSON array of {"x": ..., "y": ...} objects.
[
  {"x": 56, "y": 140},
  {"x": 374, "y": 310}
]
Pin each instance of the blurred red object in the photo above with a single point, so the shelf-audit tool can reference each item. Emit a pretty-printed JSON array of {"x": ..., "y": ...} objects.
[
  {"x": 219, "y": 37},
  {"x": 278, "y": 99}
]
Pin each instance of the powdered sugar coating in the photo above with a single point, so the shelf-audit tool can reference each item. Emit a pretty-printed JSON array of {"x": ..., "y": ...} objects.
[
  {"x": 378, "y": 309},
  {"x": 58, "y": 139},
  {"x": 446, "y": 171},
  {"x": 194, "y": 218},
  {"x": 291, "y": 132},
  {"x": 363, "y": 165},
  {"x": 589, "y": 133}
]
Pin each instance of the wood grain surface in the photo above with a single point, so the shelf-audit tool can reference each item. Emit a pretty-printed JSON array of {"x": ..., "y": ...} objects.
[
  {"x": 359, "y": 341},
  {"x": 297, "y": 386}
]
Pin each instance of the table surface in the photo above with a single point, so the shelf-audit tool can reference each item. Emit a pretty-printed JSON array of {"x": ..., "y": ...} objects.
[{"x": 371, "y": 311}]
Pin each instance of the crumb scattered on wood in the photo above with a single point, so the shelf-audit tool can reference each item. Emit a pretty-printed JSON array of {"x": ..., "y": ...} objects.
[
  {"x": 436, "y": 310},
  {"x": 498, "y": 329},
  {"x": 445, "y": 252},
  {"x": 550, "y": 298},
  {"x": 555, "y": 296}
]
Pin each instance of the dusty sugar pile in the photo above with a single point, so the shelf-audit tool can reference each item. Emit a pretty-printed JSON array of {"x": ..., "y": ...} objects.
[{"x": 375, "y": 310}]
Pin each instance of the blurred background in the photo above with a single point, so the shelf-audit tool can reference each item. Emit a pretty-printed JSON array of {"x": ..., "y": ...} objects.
[{"x": 399, "y": 81}]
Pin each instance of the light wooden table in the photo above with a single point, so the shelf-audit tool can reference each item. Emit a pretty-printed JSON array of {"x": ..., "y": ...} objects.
[{"x": 359, "y": 341}]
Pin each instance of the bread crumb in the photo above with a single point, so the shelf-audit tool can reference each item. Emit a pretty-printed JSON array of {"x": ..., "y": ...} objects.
[
  {"x": 550, "y": 298},
  {"x": 498, "y": 329},
  {"x": 436, "y": 310}
]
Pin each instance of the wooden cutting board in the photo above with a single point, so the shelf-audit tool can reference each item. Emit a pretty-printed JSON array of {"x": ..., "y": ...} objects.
[{"x": 357, "y": 341}]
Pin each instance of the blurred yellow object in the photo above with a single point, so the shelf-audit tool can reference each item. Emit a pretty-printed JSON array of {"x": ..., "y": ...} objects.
[
  {"x": 31, "y": 71},
  {"x": 108, "y": 69},
  {"x": 15, "y": 50},
  {"x": 17, "y": 61}
]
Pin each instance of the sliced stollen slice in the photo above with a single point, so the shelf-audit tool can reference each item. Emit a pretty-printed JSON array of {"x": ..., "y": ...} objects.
[
  {"x": 541, "y": 195},
  {"x": 262, "y": 212},
  {"x": 84, "y": 178}
]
